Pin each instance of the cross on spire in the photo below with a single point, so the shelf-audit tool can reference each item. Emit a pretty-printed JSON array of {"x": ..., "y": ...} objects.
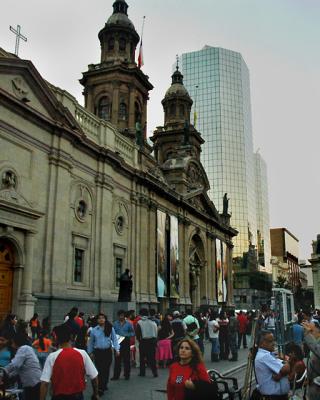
[
  {"x": 177, "y": 58},
  {"x": 18, "y": 37}
]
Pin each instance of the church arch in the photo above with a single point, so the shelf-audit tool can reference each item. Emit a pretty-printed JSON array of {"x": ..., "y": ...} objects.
[
  {"x": 123, "y": 110},
  {"x": 11, "y": 256},
  {"x": 197, "y": 270}
]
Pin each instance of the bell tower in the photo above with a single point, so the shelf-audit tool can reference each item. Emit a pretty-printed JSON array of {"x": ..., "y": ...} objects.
[
  {"x": 177, "y": 144},
  {"x": 116, "y": 90}
]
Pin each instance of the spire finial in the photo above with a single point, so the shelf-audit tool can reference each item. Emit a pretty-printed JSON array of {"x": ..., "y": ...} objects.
[{"x": 177, "y": 59}]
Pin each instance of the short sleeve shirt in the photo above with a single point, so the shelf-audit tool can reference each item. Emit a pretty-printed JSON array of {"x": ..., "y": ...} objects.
[
  {"x": 266, "y": 364},
  {"x": 66, "y": 369}
]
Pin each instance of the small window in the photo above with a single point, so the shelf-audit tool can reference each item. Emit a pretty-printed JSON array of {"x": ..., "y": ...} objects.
[
  {"x": 123, "y": 113},
  {"x": 78, "y": 265},
  {"x": 119, "y": 262},
  {"x": 122, "y": 44},
  {"x": 111, "y": 44},
  {"x": 104, "y": 108},
  {"x": 181, "y": 110}
]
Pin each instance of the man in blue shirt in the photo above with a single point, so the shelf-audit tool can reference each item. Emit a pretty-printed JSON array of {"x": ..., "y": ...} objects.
[
  {"x": 297, "y": 331},
  {"x": 125, "y": 330},
  {"x": 271, "y": 373}
]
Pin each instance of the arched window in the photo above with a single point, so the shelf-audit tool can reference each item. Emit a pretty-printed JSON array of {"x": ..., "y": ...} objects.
[
  {"x": 172, "y": 110},
  {"x": 104, "y": 108},
  {"x": 181, "y": 110},
  {"x": 137, "y": 112},
  {"x": 122, "y": 44},
  {"x": 111, "y": 44},
  {"x": 123, "y": 111}
]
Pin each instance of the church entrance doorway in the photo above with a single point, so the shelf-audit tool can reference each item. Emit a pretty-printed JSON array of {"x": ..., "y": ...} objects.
[
  {"x": 196, "y": 268},
  {"x": 6, "y": 277}
]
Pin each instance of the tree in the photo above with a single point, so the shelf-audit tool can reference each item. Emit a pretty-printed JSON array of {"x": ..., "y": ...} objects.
[{"x": 282, "y": 282}]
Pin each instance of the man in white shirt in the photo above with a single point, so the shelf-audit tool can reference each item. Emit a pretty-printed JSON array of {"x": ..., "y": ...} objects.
[
  {"x": 213, "y": 331},
  {"x": 271, "y": 373}
]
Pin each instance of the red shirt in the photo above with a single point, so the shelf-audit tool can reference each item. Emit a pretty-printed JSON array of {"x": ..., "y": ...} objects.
[
  {"x": 68, "y": 373},
  {"x": 79, "y": 321},
  {"x": 243, "y": 322},
  {"x": 178, "y": 374}
]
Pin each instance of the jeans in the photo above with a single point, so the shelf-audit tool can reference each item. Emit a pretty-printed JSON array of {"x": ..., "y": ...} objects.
[{"x": 215, "y": 349}]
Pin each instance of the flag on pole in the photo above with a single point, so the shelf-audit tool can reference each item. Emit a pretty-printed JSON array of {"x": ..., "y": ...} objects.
[{"x": 140, "y": 57}]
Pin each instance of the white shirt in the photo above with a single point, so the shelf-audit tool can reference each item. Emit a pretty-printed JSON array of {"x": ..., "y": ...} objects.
[
  {"x": 213, "y": 329},
  {"x": 90, "y": 369}
]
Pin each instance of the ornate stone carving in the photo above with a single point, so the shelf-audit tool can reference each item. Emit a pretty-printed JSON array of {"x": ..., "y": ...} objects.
[
  {"x": 194, "y": 177},
  {"x": 20, "y": 89},
  {"x": 9, "y": 180}
]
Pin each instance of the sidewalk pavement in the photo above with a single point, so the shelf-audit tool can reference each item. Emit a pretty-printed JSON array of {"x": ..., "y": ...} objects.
[{"x": 146, "y": 387}]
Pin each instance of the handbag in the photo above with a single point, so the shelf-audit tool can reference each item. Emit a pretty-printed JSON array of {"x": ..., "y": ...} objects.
[{"x": 256, "y": 395}]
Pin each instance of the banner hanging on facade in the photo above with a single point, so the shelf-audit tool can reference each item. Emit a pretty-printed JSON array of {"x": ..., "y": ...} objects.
[
  {"x": 225, "y": 271},
  {"x": 161, "y": 255},
  {"x": 174, "y": 257},
  {"x": 219, "y": 271}
]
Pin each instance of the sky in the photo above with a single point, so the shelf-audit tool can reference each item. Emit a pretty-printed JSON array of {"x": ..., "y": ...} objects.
[{"x": 278, "y": 39}]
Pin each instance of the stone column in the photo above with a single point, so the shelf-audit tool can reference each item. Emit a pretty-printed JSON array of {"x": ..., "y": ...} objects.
[
  {"x": 26, "y": 300},
  {"x": 132, "y": 96},
  {"x": 115, "y": 103},
  {"x": 315, "y": 263}
]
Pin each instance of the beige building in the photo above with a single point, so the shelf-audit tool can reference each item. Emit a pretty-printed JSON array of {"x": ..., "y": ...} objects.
[
  {"x": 82, "y": 197},
  {"x": 285, "y": 255}
]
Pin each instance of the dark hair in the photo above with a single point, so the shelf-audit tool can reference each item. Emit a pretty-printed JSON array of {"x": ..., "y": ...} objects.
[
  {"x": 297, "y": 350},
  {"x": 62, "y": 333},
  {"x": 5, "y": 334},
  {"x": 188, "y": 311},
  {"x": 144, "y": 312},
  {"x": 152, "y": 312},
  {"x": 42, "y": 334},
  {"x": 165, "y": 328},
  {"x": 121, "y": 312},
  {"x": 263, "y": 335},
  {"x": 213, "y": 315},
  {"x": 20, "y": 339},
  {"x": 107, "y": 324},
  {"x": 35, "y": 316},
  {"x": 196, "y": 352}
]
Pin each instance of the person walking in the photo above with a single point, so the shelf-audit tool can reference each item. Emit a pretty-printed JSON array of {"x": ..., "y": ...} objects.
[
  {"x": 25, "y": 365},
  {"x": 242, "y": 333},
  {"x": 146, "y": 334},
  {"x": 179, "y": 328},
  {"x": 223, "y": 336},
  {"x": 202, "y": 328},
  {"x": 297, "y": 331},
  {"x": 102, "y": 339},
  {"x": 66, "y": 369},
  {"x": 312, "y": 340},
  {"x": 164, "y": 346},
  {"x": 271, "y": 373},
  {"x": 42, "y": 345},
  {"x": 213, "y": 332},
  {"x": 233, "y": 329},
  {"x": 124, "y": 329},
  {"x": 188, "y": 377},
  {"x": 193, "y": 326},
  {"x": 6, "y": 352},
  {"x": 35, "y": 326}
]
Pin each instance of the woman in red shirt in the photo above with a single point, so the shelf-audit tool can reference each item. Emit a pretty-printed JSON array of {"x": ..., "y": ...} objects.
[{"x": 187, "y": 373}]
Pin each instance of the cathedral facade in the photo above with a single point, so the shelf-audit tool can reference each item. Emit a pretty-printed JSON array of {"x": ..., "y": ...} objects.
[{"x": 83, "y": 196}]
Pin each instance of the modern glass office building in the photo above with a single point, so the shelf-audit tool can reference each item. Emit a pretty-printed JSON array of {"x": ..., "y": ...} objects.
[{"x": 218, "y": 82}]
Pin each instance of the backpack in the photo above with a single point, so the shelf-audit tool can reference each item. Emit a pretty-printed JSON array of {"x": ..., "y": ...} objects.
[{"x": 177, "y": 327}]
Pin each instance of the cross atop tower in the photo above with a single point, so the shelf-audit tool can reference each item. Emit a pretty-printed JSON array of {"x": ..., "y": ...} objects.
[
  {"x": 18, "y": 37},
  {"x": 177, "y": 58}
]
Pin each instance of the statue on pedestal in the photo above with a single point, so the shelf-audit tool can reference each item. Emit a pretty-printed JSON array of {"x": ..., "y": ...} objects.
[
  {"x": 225, "y": 204},
  {"x": 125, "y": 289}
]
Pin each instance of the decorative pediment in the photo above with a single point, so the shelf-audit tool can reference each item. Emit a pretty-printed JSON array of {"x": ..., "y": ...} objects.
[
  {"x": 200, "y": 200},
  {"x": 21, "y": 82},
  {"x": 11, "y": 196}
]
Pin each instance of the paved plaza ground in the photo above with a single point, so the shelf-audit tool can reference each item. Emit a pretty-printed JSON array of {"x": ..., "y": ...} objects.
[{"x": 146, "y": 387}]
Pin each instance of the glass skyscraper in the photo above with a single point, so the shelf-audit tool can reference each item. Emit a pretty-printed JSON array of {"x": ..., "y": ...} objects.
[{"x": 218, "y": 82}]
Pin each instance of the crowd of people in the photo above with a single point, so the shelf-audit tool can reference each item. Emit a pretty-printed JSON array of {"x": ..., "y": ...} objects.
[{"x": 34, "y": 355}]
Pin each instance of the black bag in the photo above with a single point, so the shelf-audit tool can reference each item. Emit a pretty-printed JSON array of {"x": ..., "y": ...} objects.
[
  {"x": 256, "y": 395},
  {"x": 192, "y": 327},
  {"x": 203, "y": 391}
]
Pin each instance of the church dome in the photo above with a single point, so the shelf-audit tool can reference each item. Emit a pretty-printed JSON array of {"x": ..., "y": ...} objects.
[
  {"x": 177, "y": 87},
  {"x": 120, "y": 20},
  {"x": 120, "y": 15}
]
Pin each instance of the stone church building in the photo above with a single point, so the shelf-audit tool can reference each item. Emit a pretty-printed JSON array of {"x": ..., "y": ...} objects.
[{"x": 83, "y": 196}]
